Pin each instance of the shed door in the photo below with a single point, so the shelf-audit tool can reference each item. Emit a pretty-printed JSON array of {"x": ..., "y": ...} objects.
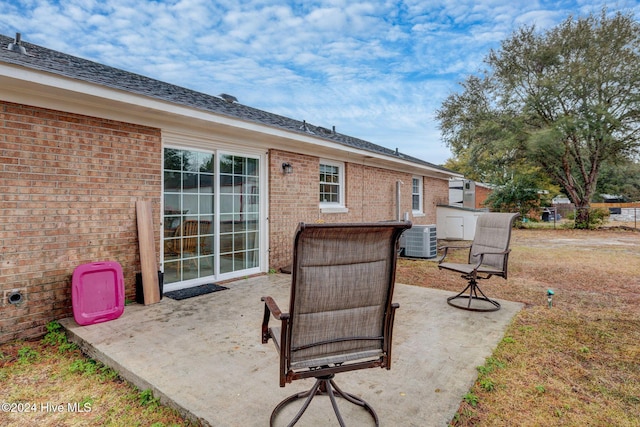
[{"x": 454, "y": 226}]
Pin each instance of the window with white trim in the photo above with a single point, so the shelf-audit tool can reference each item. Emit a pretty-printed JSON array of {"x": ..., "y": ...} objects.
[
  {"x": 331, "y": 184},
  {"x": 416, "y": 194}
]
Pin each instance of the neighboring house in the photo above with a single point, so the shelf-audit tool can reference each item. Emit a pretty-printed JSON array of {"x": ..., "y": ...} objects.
[
  {"x": 482, "y": 193},
  {"x": 467, "y": 193},
  {"x": 560, "y": 200},
  {"x": 81, "y": 142}
]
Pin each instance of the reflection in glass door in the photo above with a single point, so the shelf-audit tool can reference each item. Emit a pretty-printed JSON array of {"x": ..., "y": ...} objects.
[
  {"x": 239, "y": 213},
  {"x": 211, "y": 216},
  {"x": 189, "y": 215}
]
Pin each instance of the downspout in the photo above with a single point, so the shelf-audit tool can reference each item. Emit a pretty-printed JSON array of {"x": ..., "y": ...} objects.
[{"x": 398, "y": 214}]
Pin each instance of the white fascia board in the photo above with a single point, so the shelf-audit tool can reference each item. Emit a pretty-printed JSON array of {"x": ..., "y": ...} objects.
[
  {"x": 141, "y": 109},
  {"x": 24, "y": 85}
]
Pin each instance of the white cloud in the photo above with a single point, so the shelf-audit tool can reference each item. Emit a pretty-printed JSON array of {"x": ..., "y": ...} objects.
[{"x": 378, "y": 70}]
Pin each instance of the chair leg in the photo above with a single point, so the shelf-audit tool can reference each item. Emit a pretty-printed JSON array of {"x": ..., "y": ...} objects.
[
  {"x": 472, "y": 296},
  {"x": 323, "y": 385}
]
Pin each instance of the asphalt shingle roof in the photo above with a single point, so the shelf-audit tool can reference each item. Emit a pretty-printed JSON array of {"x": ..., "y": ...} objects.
[{"x": 51, "y": 61}]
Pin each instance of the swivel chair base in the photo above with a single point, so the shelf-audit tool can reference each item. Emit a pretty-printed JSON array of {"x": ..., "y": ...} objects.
[
  {"x": 323, "y": 385},
  {"x": 482, "y": 303}
]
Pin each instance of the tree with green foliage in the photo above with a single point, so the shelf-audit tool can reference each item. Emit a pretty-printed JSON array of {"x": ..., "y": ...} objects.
[
  {"x": 519, "y": 194},
  {"x": 565, "y": 101},
  {"x": 622, "y": 179}
]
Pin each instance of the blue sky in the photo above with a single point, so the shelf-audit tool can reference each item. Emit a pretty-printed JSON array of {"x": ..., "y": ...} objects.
[{"x": 377, "y": 70}]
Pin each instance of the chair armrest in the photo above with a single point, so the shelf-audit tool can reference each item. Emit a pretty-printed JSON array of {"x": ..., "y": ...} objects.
[
  {"x": 271, "y": 308},
  {"x": 482, "y": 254},
  {"x": 389, "y": 334},
  {"x": 446, "y": 251}
]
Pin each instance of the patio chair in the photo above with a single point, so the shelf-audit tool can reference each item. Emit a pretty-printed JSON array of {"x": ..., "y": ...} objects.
[
  {"x": 340, "y": 311},
  {"x": 188, "y": 244},
  {"x": 488, "y": 256}
]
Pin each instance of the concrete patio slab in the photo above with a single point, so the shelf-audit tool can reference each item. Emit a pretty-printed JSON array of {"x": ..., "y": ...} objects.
[{"x": 203, "y": 356}]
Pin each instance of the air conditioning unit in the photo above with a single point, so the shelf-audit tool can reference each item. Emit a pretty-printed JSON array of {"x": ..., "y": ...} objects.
[{"x": 420, "y": 242}]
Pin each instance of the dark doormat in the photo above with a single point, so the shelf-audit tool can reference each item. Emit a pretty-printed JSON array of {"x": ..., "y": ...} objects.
[{"x": 194, "y": 292}]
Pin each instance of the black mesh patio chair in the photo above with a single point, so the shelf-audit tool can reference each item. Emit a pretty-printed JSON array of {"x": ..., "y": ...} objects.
[
  {"x": 340, "y": 309},
  {"x": 488, "y": 256}
]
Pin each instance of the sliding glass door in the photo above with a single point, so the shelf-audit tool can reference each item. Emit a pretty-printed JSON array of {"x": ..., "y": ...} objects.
[
  {"x": 239, "y": 213},
  {"x": 212, "y": 216}
]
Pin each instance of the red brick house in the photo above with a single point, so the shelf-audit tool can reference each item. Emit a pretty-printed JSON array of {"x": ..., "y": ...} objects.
[{"x": 81, "y": 142}]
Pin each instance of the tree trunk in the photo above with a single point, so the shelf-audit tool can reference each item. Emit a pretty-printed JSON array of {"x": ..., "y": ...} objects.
[{"x": 582, "y": 217}]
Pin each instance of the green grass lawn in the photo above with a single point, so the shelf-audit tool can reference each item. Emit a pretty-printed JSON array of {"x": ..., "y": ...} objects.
[{"x": 51, "y": 383}]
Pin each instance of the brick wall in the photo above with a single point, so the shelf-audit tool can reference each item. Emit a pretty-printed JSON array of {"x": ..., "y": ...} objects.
[
  {"x": 375, "y": 199},
  {"x": 68, "y": 187},
  {"x": 290, "y": 201},
  {"x": 370, "y": 195},
  {"x": 436, "y": 192}
]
